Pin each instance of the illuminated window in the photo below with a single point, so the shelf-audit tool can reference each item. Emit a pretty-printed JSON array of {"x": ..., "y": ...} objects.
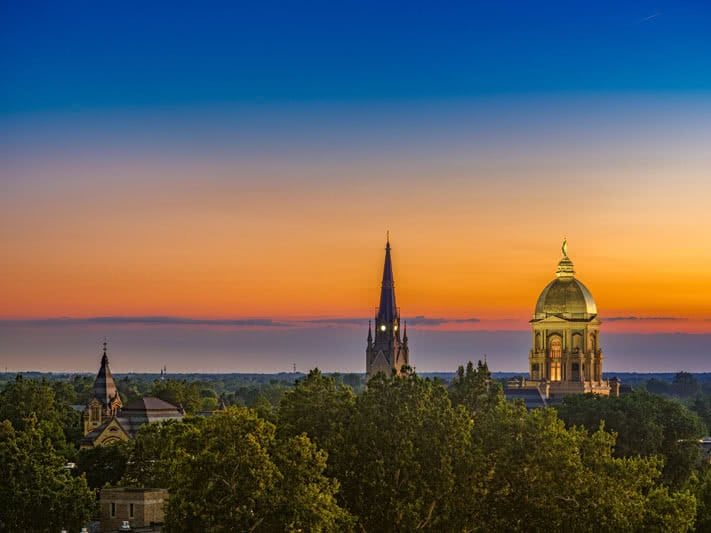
[{"x": 555, "y": 353}]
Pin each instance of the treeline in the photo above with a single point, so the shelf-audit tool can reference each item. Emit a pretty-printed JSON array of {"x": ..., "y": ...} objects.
[
  {"x": 415, "y": 454},
  {"x": 406, "y": 454}
]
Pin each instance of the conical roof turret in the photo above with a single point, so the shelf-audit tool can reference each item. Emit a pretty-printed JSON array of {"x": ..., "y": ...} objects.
[{"x": 104, "y": 385}]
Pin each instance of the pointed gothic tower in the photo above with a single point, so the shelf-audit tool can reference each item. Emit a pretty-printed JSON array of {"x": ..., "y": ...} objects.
[
  {"x": 388, "y": 351},
  {"x": 105, "y": 400}
]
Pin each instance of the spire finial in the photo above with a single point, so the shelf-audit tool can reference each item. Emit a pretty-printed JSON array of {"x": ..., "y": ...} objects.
[
  {"x": 387, "y": 237},
  {"x": 105, "y": 343},
  {"x": 565, "y": 265}
]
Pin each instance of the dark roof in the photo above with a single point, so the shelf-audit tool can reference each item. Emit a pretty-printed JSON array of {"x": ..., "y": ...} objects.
[
  {"x": 149, "y": 404},
  {"x": 387, "y": 311},
  {"x": 146, "y": 411},
  {"x": 104, "y": 385},
  {"x": 532, "y": 397}
]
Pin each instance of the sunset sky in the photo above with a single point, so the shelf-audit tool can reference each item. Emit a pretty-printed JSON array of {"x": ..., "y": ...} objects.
[{"x": 216, "y": 180}]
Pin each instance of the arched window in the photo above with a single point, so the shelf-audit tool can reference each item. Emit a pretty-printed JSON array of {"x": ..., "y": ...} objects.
[
  {"x": 539, "y": 344},
  {"x": 556, "y": 351},
  {"x": 535, "y": 372},
  {"x": 577, "y": 342}
]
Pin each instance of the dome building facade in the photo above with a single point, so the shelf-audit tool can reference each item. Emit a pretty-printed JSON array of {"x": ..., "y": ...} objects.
[{"x": 566, "y": 356}]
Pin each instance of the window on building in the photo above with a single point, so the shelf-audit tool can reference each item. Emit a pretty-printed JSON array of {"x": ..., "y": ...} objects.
[
  {"x": 113, "y": 510},
  {"x": 576, "y": 372},
  {"x": 535, "y": 372},
  {"x": 130, "y": 510},
  {"x": 555, "y": 354}
]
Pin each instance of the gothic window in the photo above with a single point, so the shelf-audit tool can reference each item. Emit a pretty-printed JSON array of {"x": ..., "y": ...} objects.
[
  {"x": 576, "y": 372},
  {"x": 556, "y": 352},
  {"x": 535, "y": 372},
  {"x": 95, "y": 412}
]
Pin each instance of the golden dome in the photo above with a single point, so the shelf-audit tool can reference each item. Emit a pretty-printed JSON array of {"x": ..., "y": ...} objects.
[{"x": 565, "y": 296}]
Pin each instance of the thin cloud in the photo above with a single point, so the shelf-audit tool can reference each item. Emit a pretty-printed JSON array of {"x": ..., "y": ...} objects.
[
  {"x": 650, "y": 17},
  {"x": 142, "y": 321},
  {"x": 421, "y": 320},
  {"x": 642, "y": 318},
  {"x": 342, "y": 321}
]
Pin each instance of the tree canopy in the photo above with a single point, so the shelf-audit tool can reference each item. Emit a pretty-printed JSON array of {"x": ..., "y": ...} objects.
[
  {"x": 229, "y": 472},
  {"x": 37, "y": 493}
]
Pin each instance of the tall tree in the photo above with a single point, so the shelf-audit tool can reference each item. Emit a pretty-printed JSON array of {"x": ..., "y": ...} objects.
[
  {"x": 180, "y": 393},
  {"x": 104, "y": 465},
  {"x": 25, "y": 399},
  {"x": 37, "y": 493},
  {"x": 318, "y": 407},
  {"x": 544, "y": 477},
  {"x": 228, "y": 472},
  {"x": 474, "y": 389},
  {"x": 646, "y": 424},
  {"x": 407, "y": 463}
]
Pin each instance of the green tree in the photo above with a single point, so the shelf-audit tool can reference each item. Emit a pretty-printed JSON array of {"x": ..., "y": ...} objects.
[
  {"x": 474, "y": 389},
  {"x": 228, "y": 472},
  {"x": 318, "y": 407},
  {"x": 104, "y": 465},
  {"x": 179, "y": 393},
  {"x": 154, "y": 450},
  {"x": 702, "y": 490},
  {"x": 407, "y": 463},
  {"x": 685, "y": 385},
  {"x": 543, "y": 477},
  {"x": 37, "y": 493},
  {"x": 701, "y": 405},
  {"x": 26, "y": 399},
  {"x": 645, "y": 424}
]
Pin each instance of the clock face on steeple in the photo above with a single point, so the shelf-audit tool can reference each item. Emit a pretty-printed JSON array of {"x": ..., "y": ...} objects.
[{"x": 383, "y": 327}]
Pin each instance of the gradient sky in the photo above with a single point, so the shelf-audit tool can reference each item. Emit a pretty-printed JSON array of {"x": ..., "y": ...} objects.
[{"x": 231, "y": 165}]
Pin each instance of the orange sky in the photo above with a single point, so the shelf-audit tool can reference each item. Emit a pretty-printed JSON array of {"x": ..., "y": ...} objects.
[{"x": 476, "y": 226}]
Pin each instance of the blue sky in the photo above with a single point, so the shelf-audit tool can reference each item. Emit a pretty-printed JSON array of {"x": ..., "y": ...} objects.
[{"x": 95, "y": 55}]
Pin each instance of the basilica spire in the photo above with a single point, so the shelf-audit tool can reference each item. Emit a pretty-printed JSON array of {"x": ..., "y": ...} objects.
[
  {"x": 387, "y": 311},
  {"x": 386, "y": 351}
]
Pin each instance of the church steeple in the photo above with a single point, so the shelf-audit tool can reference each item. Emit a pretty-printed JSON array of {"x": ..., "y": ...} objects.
[
  {"x": 388, "y": 309},
  {"x": 388, "y": 352},
  {"x": 105, "y": 400},
  {"x": 104, "y": 385}
]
